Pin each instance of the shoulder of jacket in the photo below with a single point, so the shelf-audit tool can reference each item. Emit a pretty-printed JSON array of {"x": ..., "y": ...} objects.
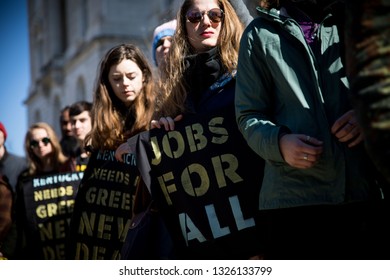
[{"x": 270, "y": 14}]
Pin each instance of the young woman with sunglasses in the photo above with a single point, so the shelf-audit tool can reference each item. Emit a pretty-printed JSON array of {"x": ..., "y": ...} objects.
[
  {"x": 199, "y": 83},
  {"x": 44, "y": 157},
  {"x": 44, "y": 151}
]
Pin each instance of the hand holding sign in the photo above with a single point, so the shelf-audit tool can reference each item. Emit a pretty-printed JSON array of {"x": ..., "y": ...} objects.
[
  {"x": 121, "y": 150},
  {"x": 167, "y": 122}
]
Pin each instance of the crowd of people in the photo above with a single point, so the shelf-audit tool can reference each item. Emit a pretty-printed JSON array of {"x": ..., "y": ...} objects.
[{"x": 244, "y": 141}]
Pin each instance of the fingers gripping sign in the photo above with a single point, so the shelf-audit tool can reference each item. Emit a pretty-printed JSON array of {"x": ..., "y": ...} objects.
[
  {"x": 121, "y": 150},
  {"x": 167, "y": 122}
]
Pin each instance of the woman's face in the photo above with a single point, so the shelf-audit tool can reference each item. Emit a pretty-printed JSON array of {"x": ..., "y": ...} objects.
[
  {"x": 126, "y": 80},
  {"x": 203, "y": 35},
  {"x": 40, "y": 143},
  {"x": 162, "y": 49}
]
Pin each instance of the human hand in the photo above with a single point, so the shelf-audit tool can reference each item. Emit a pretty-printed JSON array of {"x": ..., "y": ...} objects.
[
  {"x": 299, "y": 150},
  {"x": 347, "y": 129},
  {"x": 167, "y": 122},
  {"x": 121, "y": 150}
]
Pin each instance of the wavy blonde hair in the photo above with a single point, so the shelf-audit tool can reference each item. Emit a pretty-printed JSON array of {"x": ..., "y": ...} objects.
[
  {"x": 57, "y": 158},
  {"x": 112, "y": 121},
  {"x": 172, "y": 82}
]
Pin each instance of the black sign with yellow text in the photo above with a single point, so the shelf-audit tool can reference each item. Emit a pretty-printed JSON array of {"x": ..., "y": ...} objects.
[
  {"x": 208, "y": 181},
  {"x": 103, "y": 207},
  {"x": 49, "y": 202}
]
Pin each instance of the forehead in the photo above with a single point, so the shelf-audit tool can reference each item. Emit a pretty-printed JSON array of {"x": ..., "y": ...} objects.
[
  {"x": 125, "y": 66},
  {"x": 168, "y": 37},
  {"x": 82, "y": 115},
  {"x": 38, "y": 133},
  {"x": 65, "y": 115},
  {"x": 205, "y": 4}
]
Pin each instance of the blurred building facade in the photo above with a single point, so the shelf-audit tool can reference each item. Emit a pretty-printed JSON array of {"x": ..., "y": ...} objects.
[{"x": 68, "y": 38}]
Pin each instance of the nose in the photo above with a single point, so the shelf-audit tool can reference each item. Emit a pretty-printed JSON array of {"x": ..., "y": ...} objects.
[
  {"x": 206, "y": 19},
  {"x": 126, "y": 81},
  {"x": 77, "y": 124},
  {"x": 167, "y": 43}
]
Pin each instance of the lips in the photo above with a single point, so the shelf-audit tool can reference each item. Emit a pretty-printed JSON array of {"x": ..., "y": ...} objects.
[{"x": 207, "y": 34}]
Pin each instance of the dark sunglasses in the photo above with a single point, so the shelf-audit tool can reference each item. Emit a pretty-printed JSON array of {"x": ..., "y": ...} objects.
[
  {"x": 215, "y": 15},
  {"x": 35, "y": 143}
]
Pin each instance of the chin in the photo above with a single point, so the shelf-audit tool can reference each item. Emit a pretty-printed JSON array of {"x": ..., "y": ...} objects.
[{"x": 209, "y": 46}]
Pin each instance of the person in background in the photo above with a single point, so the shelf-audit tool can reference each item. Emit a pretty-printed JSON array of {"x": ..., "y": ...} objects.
[
  {"x": 69, "y": 143},
  {"x": 44, "y": 153},
  {"x": 162, "y": 39},
  {"x": 293, "y": 109},
  {"x": 45, "y": 157},
  {"x": 123, "y": 105},
  {"x": 11, "y": 166},
  {"x": 6, "y": 203},
  {"x": 80, "y": 118}
]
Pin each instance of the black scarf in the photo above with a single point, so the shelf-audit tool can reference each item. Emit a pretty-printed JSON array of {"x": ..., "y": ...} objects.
[{"x": 202, "y": 70}]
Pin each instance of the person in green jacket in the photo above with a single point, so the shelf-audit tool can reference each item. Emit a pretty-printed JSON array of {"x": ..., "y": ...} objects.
[{"x": 293, "y": 108}]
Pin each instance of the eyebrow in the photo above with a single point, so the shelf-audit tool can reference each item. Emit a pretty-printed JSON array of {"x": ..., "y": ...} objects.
[{"x": 120, "y": 74}]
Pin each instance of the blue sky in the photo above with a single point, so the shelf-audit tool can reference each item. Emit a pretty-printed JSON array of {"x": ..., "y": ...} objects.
[{"x": 14, "y": 72}]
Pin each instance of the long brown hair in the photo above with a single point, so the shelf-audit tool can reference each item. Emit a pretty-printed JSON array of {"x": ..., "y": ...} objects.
[
  {"x": 57, "y": 158},
  {"x": 172, "y": 82},
  {"x": 112, "y": 122}
]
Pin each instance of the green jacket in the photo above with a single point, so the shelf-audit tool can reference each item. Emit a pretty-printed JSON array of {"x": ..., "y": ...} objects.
[{"x": 284, "y": 86}]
